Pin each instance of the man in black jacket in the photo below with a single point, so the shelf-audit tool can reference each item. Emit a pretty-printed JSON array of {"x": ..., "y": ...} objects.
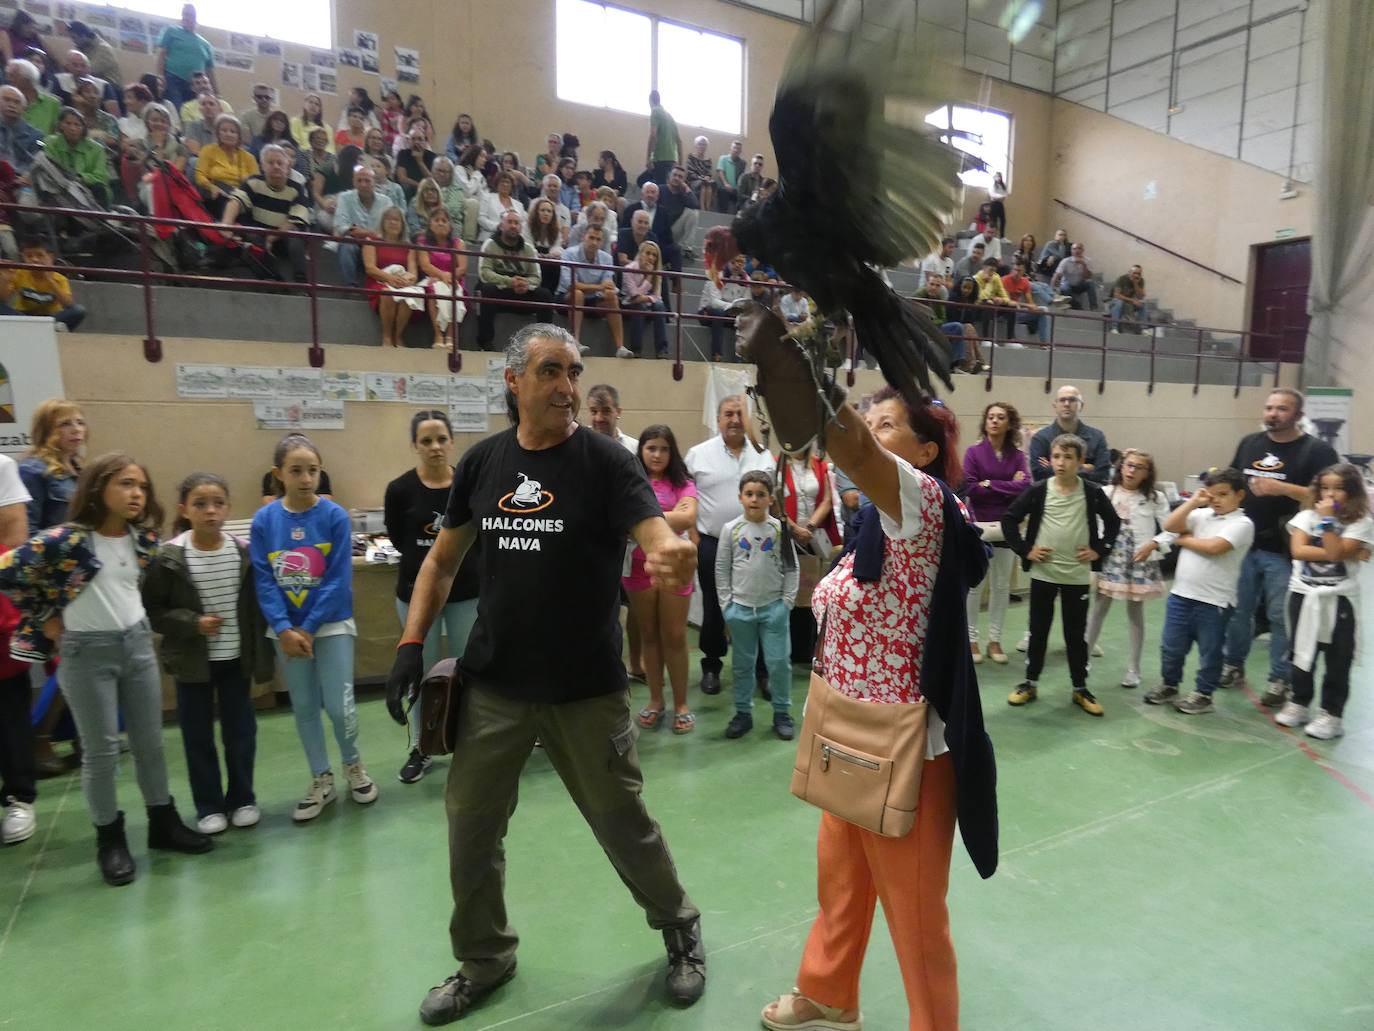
[{"x": 1071, "y": 525}]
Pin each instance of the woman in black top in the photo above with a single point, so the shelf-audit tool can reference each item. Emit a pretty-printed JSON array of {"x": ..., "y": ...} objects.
[
  {"x": 610, "y": 172},
  {"x": 413, "y": 509}
]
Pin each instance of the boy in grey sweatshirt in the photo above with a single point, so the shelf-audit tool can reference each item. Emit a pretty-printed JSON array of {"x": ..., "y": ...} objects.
[{"x": 757, "y": 590}]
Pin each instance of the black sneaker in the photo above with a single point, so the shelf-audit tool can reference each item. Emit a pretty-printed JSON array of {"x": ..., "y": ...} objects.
[
  {"x": 453, "y": 999},
  {"x": 740, "y": 724},
  {"x": 415, "y": 768},
  {"x": 686, "y": 963},
  {"x": 710, "y": 683},
  {"x": 783, "y": 726}
]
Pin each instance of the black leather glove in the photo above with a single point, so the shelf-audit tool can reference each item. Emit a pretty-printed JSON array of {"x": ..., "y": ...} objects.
[{"x": 403, "y": 683}]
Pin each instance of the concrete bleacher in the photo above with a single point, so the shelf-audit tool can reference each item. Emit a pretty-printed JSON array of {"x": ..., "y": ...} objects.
[{"x": 223, "y": 313}]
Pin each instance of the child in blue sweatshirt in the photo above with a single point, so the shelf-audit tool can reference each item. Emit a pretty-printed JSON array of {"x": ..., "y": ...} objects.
[{"x": 303, "y": 565}]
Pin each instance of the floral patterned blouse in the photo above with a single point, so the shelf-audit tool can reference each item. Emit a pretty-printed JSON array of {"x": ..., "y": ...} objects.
[{"x": 875, "y": 632}]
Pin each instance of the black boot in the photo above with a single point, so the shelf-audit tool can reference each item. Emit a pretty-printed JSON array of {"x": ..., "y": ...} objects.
[
  {"x": 112, "y": 853},
  {"x": 166, "y": 831},
  {"x": 686, "y": 963}
]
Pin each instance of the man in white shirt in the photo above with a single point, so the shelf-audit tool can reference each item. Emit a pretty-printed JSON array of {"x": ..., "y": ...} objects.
[
  {"x": 716, "y": 465},
  {"x": 18, "y": 782},
  {"x": 940, "y": 265}
]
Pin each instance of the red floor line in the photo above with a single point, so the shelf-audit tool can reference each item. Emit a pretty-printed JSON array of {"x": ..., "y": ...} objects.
[{"x": 1311, "y": 753}]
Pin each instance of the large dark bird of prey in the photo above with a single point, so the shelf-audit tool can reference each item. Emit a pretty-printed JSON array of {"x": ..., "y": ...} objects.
[{"x": 862, "y": 186}]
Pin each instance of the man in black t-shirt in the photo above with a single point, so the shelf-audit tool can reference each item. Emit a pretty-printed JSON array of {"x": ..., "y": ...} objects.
[
  {"x": 552, "y": 503},
  {"x": 1279, "y": 465}
]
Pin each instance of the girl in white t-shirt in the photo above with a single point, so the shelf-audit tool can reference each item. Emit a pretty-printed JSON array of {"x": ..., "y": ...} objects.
[{"x": 1327, "y": 542}]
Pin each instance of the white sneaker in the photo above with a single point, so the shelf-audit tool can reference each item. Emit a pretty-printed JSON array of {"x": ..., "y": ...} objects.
[
  {"x": 1024, "y": 643},
  {"x": 360, "y": 785},
  {"x": 1131, "y": 679},
  {"x": 1097, "y": 651},
  {"x": 1291, "y": 715},
  {"x": 624, "y": 352},
  {"x": 1013, "y": 345},
  {"x": 321, "y": 793},
  {"x": 245, "y": 816},
  {"x": 19, "y": 823},
  {"x": 1324, "y": 727},
  {"x": 215, "y": 823}
]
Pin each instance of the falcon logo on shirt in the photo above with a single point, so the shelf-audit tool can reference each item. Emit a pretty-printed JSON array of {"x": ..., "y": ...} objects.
[
  {"x": 1270, "y": 462},
  {"x": 300, "y": 570},
  {"x": 432, "y": 528},
  {"x": 528, "y": 496}
]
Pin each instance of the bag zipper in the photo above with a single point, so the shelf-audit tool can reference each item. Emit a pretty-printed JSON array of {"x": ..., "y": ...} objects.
[{"x": 830, "y": 750}]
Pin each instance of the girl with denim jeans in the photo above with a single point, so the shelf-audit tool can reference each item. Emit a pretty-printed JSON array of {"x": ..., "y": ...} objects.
[
  {"x": 77, "y": 585},
  {"x": 302, "y": 553},
  {"x": 200, "y": 597},
  {"x": 642, "y": 298}
]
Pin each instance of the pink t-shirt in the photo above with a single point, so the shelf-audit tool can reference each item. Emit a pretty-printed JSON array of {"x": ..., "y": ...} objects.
[{"x": 668, "y": 498}]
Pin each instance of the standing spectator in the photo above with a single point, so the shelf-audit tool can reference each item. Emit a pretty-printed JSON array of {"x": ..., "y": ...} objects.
[
  {"x": 996, "y": 472},
  {"x": 997, "y": 195},
  {"x": 751, "y": 180},
  {"x": 729, "y": 168},
  {"x": 222, "y": 166},
  {"x": 181, "y": 52},
  {"x": 413, "y": 512},
  {"x": 1214, "y": 536},
  {"x": 1128, "y": 298},
  {"x": 201, "y": 598},
  {"x": 1052, "y": 254},
  {"x": 255, "y": 120},
  {"x": 506, "y": 271},
  {"x": 41, "y": 108},
  {"x": 716, "y": 466},
  {"x": 664, "y": 149},
  {"x": 536, "y": 667},
  {"x": 271, "y": 200},
  {"x": 302, "y": 567},
  {"x": 31, "y": 292},
  {"x": 358, "y": 218},
  {"x": 443, "y": 273},
  {"x": 495, "y": 206},
  {"x": 1132, "y": 573},
  {"x": 716, "y": 299},
  {"x": 546, "y": 235},
  {"x": 414, "y": 163},
  {"x": 1279, "y": 463},
  {"x": 757, "y": 587},
  {"x": 1328, "y": 543},
  {"x": 699, "y": 178},
  {"x": 390, "y": 264},
  {"x": 310, "y": 119},
  {"x": 1073, "y": 276},
  {"x": 1095, "y": 463},
  {"x": 20, "y": 142},
  {"x": 52, "y": 462},
  {"x": 661, "y": 612},
  {"x": 643, "y": 298},
  {"x": 593, "y": 288},
  {"x": 18, "y": 772},
  {"x": 463, "y": 135},
  {"x": 1070, "y": 527}
]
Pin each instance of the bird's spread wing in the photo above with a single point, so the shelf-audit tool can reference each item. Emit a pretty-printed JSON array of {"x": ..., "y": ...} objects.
[{"x": 849, "y": 133}]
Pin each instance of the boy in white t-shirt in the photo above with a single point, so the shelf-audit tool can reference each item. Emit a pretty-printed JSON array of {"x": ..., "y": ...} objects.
[
  {"x": 1214, "y": 535},
  {"x": 1327, "y": 543}
]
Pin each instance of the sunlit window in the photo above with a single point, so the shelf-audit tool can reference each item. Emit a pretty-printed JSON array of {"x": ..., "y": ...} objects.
[
  {"x": 307, "y": 22},
  {"x": 700, "y": 74},
  {"x": 982, "y": 134}
]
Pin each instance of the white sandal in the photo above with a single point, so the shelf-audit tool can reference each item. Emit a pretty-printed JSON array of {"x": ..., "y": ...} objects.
[{"x": 787, "y": 1018}]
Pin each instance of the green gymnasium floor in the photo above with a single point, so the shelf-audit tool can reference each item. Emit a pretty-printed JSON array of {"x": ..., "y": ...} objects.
[{"x": 1158, "y": 872}]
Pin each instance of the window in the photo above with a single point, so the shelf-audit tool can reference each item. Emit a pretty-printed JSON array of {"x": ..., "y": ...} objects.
[
  {"x": 700, "y": 74},
  {"x": 980, "y": 133},
  {"x": 306, "y": 22}
]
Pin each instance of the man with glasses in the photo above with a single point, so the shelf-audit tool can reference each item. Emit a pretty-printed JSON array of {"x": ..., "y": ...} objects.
[
  {"x": 751, "y": 180},
  {"x": 1068, "y": 407},
  {"x": 254, "y": 120}
]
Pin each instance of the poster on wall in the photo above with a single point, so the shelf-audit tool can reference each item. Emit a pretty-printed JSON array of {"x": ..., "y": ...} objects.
[
  {"x": 242, "y": 43},
  {"x": 329, "y": 83},
  {"x": 344, "y": 386},
  {"x": 136, "y": 43},
  {"x": 370, "y": 63},
  {"x": 407, "y": 64},
  {"x": 277, "y": 415},
  {"x": 323, "y": 59},
  {"x": 291, "y": 74},
  {"x": 310, "y": 78},
  {"x": 243, "y": 62},
  {"x": 319, "y": 414},
  {"x": 200, "y": 381},
  {"x": 407, "y": 75},
  {"x": 269, "y": 48},
  {"x": 1329, "y": 409},
  {"x": 100, "y": 17},
  {"x": 29, "y": 373},
  {"x": 364, "y": 40},
  {"x": 350, "y": 58}
]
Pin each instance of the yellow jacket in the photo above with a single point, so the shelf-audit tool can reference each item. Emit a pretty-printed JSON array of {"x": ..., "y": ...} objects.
[
  {"x": 216, "y": 168},
  {"x": 990, "y": 289}
]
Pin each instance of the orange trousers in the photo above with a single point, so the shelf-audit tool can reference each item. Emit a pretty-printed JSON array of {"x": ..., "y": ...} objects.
[{"x": 911, "y": 876}]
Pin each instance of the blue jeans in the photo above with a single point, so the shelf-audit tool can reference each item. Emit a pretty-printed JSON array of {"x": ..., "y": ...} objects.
[
  {"x": 238, "y": 729},
  {"x": 176, "y": 90},
  {"x": 954, "y": 332},
  {"x": 351, "y": 263},
  {"x": 636, "y": 314},
  {"x": 1186, "y": 621},
  {"x": 456, "y": 620},
  {"x": 767, "y": 627},
  {"x": 1265, "y": 572},
  {"x": 324, "y": 682},
  {"x": 1118, "y": 311}
]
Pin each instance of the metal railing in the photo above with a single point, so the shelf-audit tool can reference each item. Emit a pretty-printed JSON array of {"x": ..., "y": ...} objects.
[
  {"x": 1148, "y": 242},
  {"x": 990, "y": 316}
]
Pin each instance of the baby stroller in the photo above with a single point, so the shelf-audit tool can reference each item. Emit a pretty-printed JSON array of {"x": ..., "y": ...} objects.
[
  {"x": 183, "y": 249},
  {"x": 78, "y": 234}
]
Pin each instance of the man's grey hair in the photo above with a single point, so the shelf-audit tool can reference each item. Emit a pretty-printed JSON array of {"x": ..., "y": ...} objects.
[
  {"x": 21, "y": 69},
  {"x": 595, "y": 205},
  {"x": 518, "y": 350},
  {"x": 12, "y": 89},
  {"x": 154, "y": 107},
  {"x": 441, "y": 161},
  {"x": 551, "y": 177},
  {"x": 272, "y": 148},
  {"x": 720, "y": 405},
  {"x": 647, "y": 217}
]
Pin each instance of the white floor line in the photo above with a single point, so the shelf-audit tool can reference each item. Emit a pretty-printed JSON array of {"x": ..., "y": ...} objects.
[
  {"x": 811, "y": 916},
  {"x": 37, "y": 861},
  {"x": 1142, "y": 806}
]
